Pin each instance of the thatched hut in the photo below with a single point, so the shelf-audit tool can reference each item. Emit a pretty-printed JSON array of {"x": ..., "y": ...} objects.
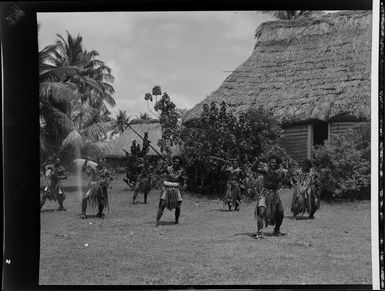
[
  {"x": 118, "y": 149},
  {"x": 313, "y": 74}
]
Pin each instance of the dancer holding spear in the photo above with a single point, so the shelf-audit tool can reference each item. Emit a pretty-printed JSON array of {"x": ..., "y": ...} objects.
[
  {"x": 233, "y": 191},
  {"x": 233, "y": 184},
  {"x": 269, "y": 207},
  {"x": 174, "y": 182},
  {"x": 142, "y": 184}
]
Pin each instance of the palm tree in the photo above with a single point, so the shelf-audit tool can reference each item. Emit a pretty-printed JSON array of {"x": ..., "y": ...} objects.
[
  {"x": 55, "y": 99},
  {"x": 105, "y": 116},
  {"x": 143, "y": 116},
  {"x": 156, "y": 91},
  {"x": 94, "y": 78},
  {"x": 121, "y": 121},
  {"x": 73, "y": 88}
]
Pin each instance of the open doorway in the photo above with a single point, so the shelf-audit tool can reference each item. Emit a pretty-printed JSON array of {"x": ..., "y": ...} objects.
[{"x": 320, "y": 132}]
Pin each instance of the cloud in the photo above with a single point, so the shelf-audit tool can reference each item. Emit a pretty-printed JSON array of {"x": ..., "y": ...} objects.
[{"x": 183, "y": 52}]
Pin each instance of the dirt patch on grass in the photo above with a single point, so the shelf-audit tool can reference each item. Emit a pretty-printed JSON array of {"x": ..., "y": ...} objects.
[{"x": 210, "y": 245}]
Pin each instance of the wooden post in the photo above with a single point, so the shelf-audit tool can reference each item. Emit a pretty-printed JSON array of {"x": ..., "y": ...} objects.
[{"x": 310, "y": 139}]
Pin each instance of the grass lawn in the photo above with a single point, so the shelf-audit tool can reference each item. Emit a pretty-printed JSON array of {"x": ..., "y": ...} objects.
[{"x": 210, "y": 245}]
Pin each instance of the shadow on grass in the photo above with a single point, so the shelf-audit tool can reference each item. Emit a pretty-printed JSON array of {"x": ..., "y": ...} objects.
[
  {"x": 166, "y": 223},
  {"x": 93, "y": 216},
  {"x": 139, "y": 202},
  {"x": 48, "y": 210},
  {"x": 252, "y": 234},
  {"x": 299, "y": 217},
  {"x": 222, "y": 210}
]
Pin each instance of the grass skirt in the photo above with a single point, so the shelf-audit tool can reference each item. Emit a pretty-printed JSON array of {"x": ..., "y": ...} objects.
[
  {"x": 304, "y": 201},
  {"x": 233, "y": 192},
  {"x": 268, "y": 199},
  {"x": 171, "y": 196},
  {"x": 53, "y": 189},
  {"x": 98, "y": 194},
  {"x": 143, "y": 186}
]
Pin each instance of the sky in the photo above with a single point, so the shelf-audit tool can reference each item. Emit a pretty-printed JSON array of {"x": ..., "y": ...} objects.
[{"x": 188, "y": 54}]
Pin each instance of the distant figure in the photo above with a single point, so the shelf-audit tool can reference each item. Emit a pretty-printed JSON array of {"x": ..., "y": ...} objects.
[
  {"x": 135, "y": 149},
  {"x": 269, "y": 206},
  {"x": 143, "y": 184},
  {"x": 132, "y": 171},
  {"x": 47, "y": 166},
  {"x": 233, "y": 191},
  {"x": 170, "y": 195},
  {"x": 305, "y": 194},
  {"x": 96, "y": 194},
  {"x": 53, "y": 191}
]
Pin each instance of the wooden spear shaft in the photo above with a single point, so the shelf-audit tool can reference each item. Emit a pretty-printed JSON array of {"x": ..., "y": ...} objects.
[{"x": 149, "y": 144}]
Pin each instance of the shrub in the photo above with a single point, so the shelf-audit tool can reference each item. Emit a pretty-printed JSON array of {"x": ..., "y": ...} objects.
[
  {"x": 343, "y": 164},
  {"x": 218, "y": 136}
]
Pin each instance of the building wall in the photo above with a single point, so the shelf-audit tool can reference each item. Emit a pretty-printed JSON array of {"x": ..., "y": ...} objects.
[
  {"x": 339, "y": 128},
  {"x": 295, "y": 139},
  {"x": 298, "y": 140}
]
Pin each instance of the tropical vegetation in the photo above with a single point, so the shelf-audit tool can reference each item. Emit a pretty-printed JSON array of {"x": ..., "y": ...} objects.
[
  {"x": 168, "y": 115},
  {"x": 343, "y": 164},
  {"x": 218, "y": 137},
  {"x": 75, "y": 89}
]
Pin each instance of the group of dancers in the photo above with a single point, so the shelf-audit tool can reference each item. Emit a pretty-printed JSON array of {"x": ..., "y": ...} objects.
[{"x": 268, "y": 175}]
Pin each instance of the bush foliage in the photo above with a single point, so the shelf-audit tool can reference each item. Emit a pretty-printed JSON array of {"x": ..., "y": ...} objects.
[
  {"x": 218, "y": 136},
  {"x": 343, "y": 164},
  {"x": 168, "y": 117}
]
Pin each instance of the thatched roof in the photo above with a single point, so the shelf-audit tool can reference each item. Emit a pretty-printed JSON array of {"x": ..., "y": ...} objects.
[
  {"x": 304, "y": 69},
  {"x": 124, "y": 141}
]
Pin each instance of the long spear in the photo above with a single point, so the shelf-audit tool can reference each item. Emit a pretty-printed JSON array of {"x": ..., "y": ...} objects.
[{"x": 148, "y": 144}]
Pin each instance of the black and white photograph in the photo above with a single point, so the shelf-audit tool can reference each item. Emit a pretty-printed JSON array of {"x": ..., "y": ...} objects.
[{"x": 207, "y": 148}]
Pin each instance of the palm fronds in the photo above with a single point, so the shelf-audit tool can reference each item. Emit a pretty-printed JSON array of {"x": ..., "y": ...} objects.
[
  {"x": 74, "y": 85},
  {"x": 57, "y": 123},
  {"x": 109, "y": 99},
  {"x": 51, "y": 73},
  {"x": 74, "y": 140},
  {"x": 95, "y": 149},
  {"x": 96, "y": 131}
]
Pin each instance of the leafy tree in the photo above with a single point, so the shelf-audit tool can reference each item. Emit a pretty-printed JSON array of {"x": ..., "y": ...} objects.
[
  {"x": 156, "y": 91},
  {"x": 149, "y": 97},
  {"x": 219, "y": 136},
  {"x": 74, "y": 85},
  {"x": 93, "y": 78},
  {"x": 55, "y": 101},
  {"x": 168, "y": 119},
  {"x": 343, "y": 164}
]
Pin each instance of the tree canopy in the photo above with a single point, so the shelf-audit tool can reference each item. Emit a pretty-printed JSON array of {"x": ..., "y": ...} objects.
[{"x": 75, "y": 87}]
